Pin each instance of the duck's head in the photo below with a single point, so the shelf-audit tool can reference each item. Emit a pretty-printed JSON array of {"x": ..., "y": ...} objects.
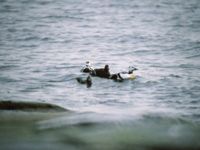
[
  {"x": 131, "y": 69},
  {"x": 89, "y": 80},
  {"x": 88, "y": 63},
  {"x": 106, "y": 67}
]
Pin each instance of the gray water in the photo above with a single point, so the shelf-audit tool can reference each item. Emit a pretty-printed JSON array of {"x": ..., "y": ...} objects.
[{"x": 44, "y": 44}]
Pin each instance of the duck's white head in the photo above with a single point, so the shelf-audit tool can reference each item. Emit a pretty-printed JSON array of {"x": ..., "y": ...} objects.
[
  {"x": 131, "y": 69},
  {"x": 88, "y": 63}
]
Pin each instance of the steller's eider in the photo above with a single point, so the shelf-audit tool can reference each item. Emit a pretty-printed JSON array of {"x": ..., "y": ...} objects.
[
  {"x": 124, "y": 75},
  {"x": 87, "y": 68}
]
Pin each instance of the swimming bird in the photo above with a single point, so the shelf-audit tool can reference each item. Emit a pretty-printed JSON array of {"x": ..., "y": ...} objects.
[
  {"x": 88, "y": 81},
  {"x": 87, "y": 68},
  {"x": 124, "y": 75},
  {"x": 102, "y": 72}
]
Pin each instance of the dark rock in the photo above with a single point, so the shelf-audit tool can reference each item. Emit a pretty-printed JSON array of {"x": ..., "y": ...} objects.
[{"x": 30, "y": 106}]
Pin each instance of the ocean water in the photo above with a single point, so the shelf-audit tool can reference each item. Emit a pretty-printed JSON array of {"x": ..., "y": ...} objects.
[{"x": 45, "y": 43}]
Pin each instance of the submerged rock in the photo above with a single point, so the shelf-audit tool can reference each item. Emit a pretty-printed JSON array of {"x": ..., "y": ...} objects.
[{"x": 30, "y": 106}]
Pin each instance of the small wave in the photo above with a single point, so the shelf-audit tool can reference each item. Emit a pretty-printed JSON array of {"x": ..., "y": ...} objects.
[
  {"x": 46, "y": 39},
  {"x": 50, "y": 85},
  {"x": 163, "y": 119},
  {"x": 5, "y": 67},
  {"x": 63, "y": 78},
  {"x": 6, "y": 79},
  {"x": 66, "y": 41},
  {"x": 194, "y": 56},
  {"x": 12, "y": 30},
  {"x": 52, "y": 81},
  {"x": 40, "y": 25},
  {"x": 61, "y": 17},
  {"x": 197, "y": 116},
  {"x": 30, "y": 89},
  {"x": 30, "y": 38},
  {"x": 113, "y": 102},
  {"x": 194, "y": 102},
  {"x": 9, "y": 8},
  {"x": 175, "y": 76},
  {"x": 150, "y": 83},
  {"x": 189, "y": 66},
  {"x": 44, "y": 2},
  {"x": 25, "y": 46}
]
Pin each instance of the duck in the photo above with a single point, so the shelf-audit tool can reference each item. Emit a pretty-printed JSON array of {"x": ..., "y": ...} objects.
[
  {"x": 88, "y": 81},
  {"x": 124, "y": 75},
  {"x": 87, "y": 68},
  {"x": 101, "y": 72}
]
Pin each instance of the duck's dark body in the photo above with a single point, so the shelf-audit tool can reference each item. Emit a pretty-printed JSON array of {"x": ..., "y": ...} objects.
[
  {"x": 102, "y": 72},
  {"x": 88, "y": 81},
  {"x": 86, "y": 70}
]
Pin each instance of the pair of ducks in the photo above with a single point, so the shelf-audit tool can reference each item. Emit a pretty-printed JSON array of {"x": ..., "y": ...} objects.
[{"x": 104, "y": 73}]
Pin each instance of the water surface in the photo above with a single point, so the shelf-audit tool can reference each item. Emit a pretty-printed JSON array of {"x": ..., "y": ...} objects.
[{"x": 44, "y": 44}]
